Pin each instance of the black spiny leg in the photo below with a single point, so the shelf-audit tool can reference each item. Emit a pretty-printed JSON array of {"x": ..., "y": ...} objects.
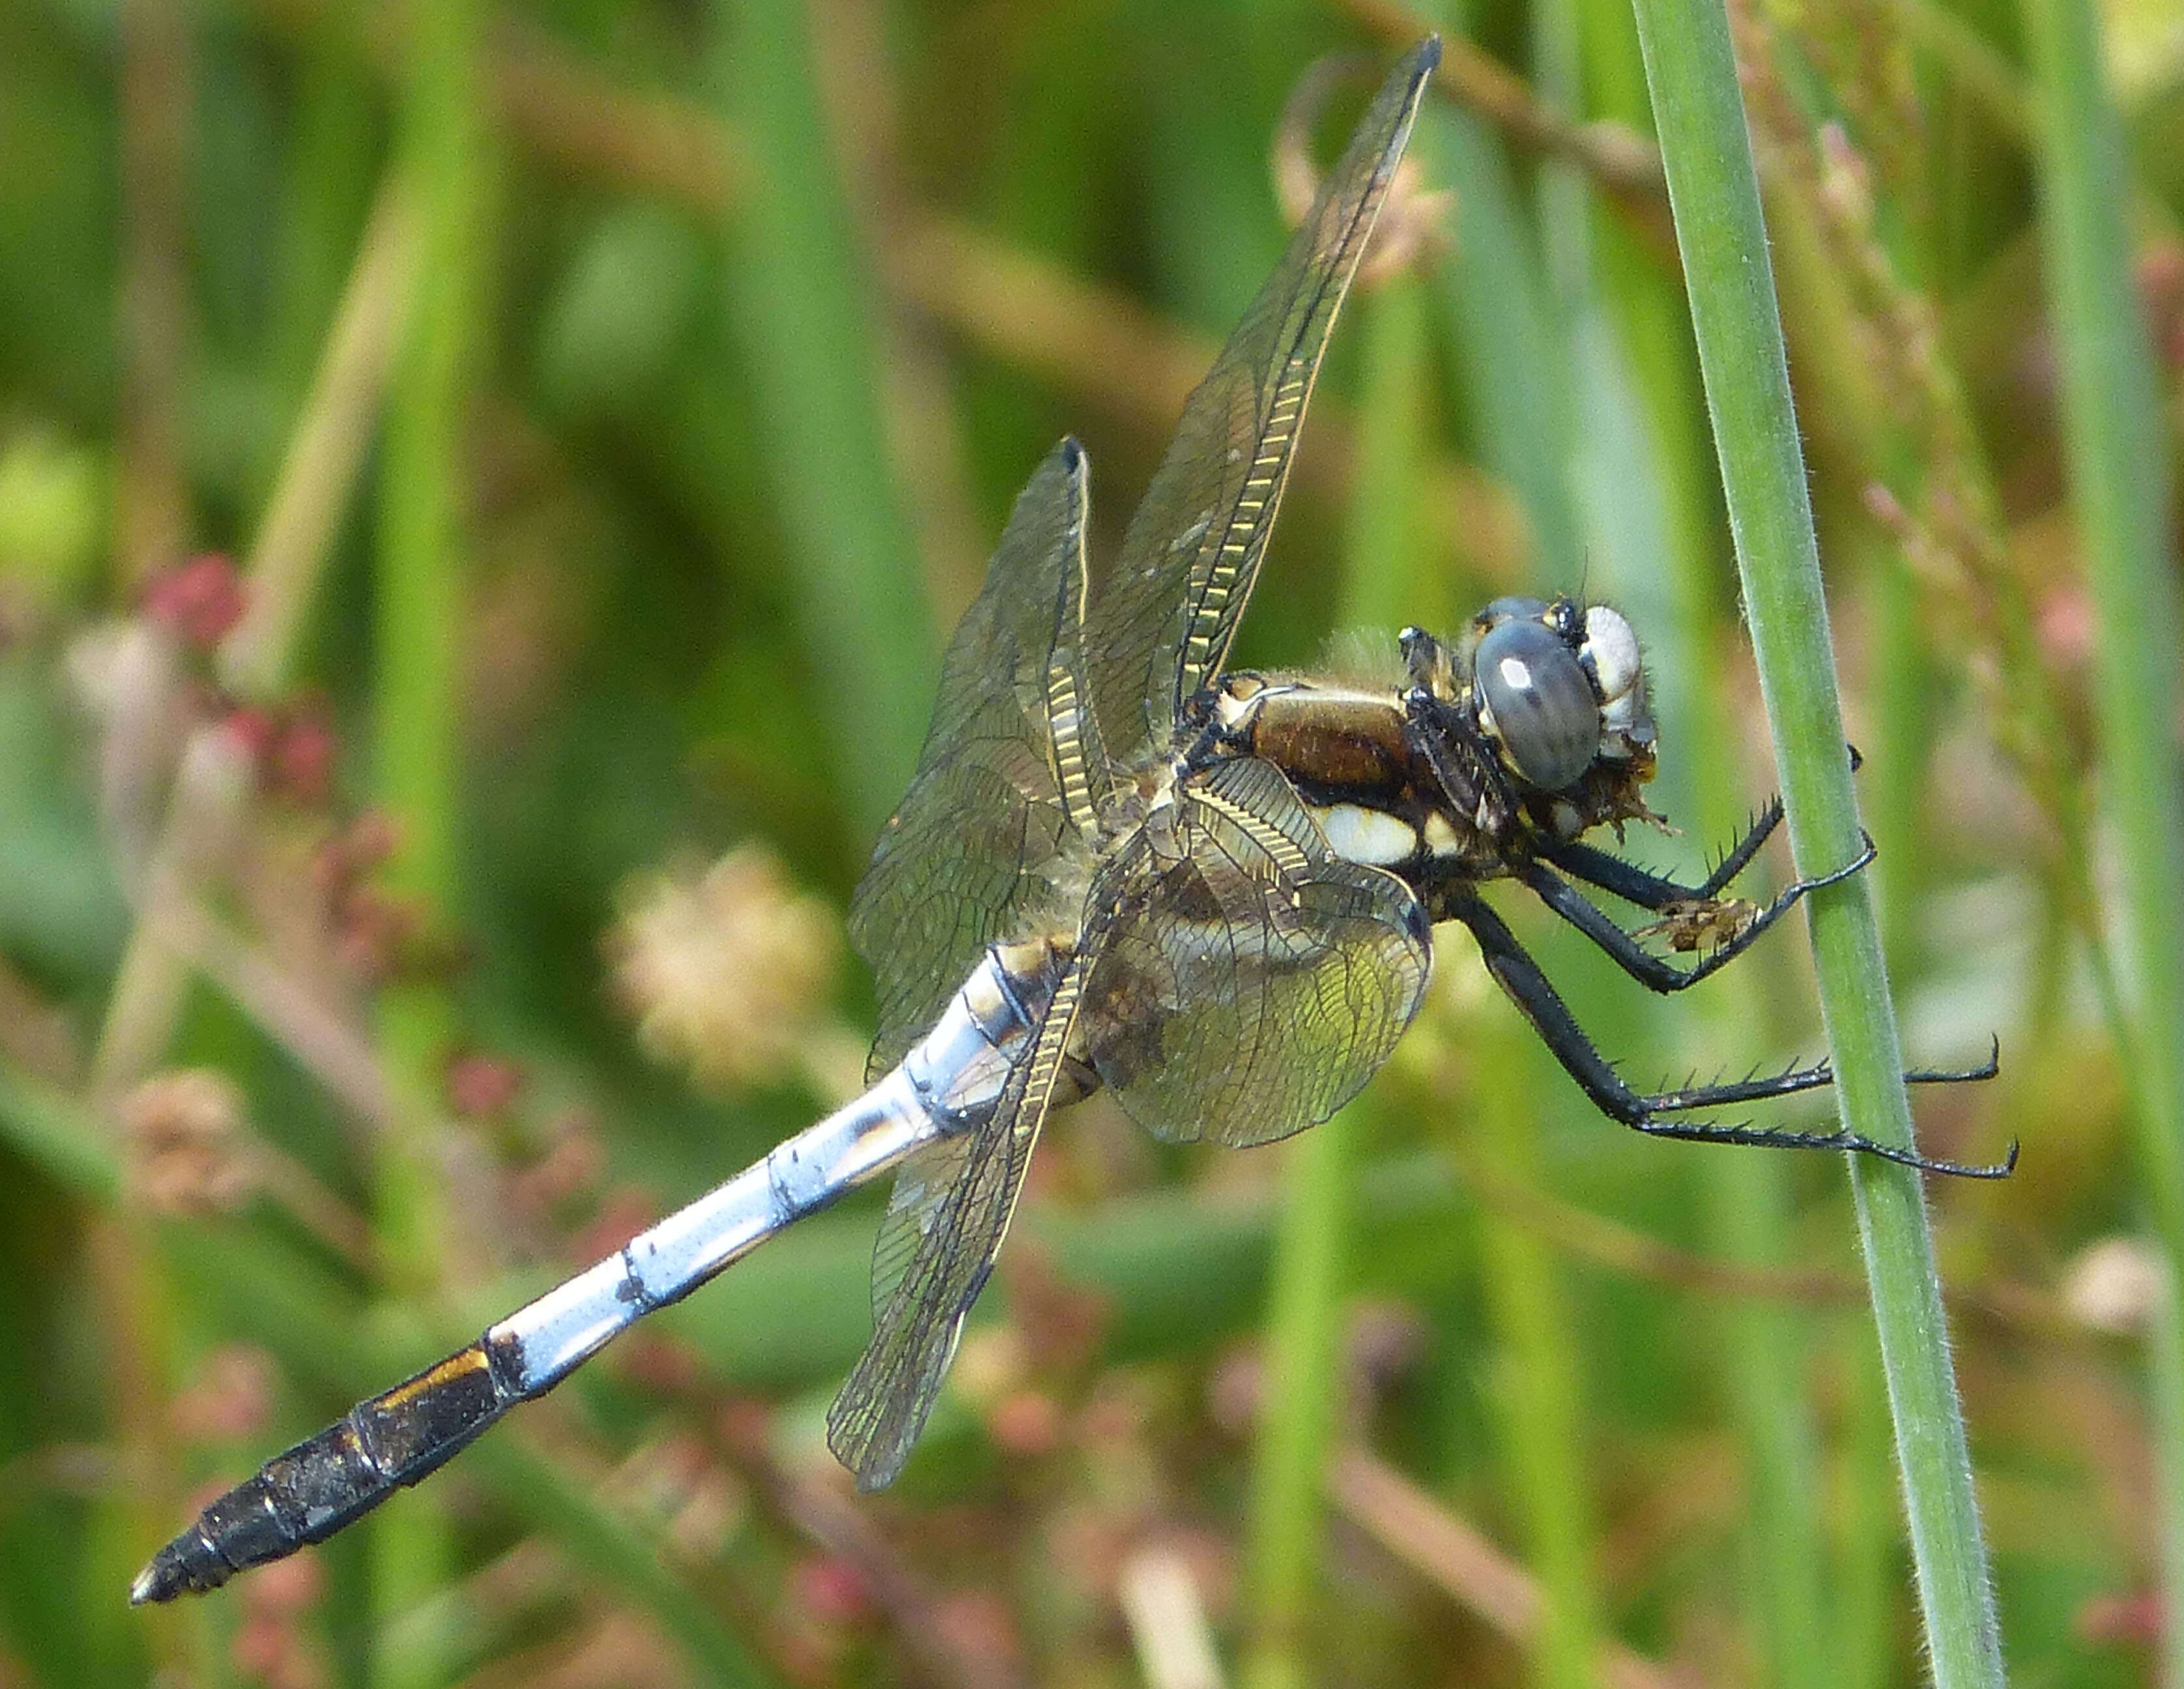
[
  {"x": 1632, "y": 884},
  {"x": 1649, "y": 970},
  {"x": 1518, "y": 974},
  {"x": 1815, "y": 1078}
]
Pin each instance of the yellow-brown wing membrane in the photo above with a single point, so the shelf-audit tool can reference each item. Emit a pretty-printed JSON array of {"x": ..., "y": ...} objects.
[
  {"x": 952, "y": 1209},
  {"x": 1000, "y": 806},
  {"x": 1163, "y": 618},
  {"x": 1251, "y": 981}
]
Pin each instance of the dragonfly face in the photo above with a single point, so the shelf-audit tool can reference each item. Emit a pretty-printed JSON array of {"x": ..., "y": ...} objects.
[{"x": 1213, "y": 893}]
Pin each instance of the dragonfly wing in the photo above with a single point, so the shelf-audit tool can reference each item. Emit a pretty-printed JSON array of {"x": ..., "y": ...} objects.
[
  {"x": 921, "y": 1184},
  {"x": 980, "y": 849},
  {"x": 1251, "y": 982},
  {"x": 1163, "y": 618},
  {"x": 952, "y": 1209}
]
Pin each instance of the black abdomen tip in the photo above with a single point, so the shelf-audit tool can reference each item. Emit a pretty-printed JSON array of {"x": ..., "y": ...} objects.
[{"x": 189, "y": 1565}]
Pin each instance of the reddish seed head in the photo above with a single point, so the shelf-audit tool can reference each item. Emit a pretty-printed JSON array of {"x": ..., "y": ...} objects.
[
  {"x": 571, "y": 1166},
  {"x": 270, "y": 1646},
  {"x": 625, "y": 1212},
  {"x": 254, "y": 730},
  {"x": 371, "y": 931},
  {"x": 481, "y": 1087},
  {"x": 830, "y": 1590},
  {"x": 288, "y": 1586},
  {"x": 977, "y": 1626},
  {"x": 2068, "y": 626},
  {"x": 662, "y": 1365},
  {"x": 201, "y": 600},
  {"x": 2159, "y": 269},
  {"x": 373, "y": 837},
  {"x": 303, "y": 758},
  {"x": 261, "y": 1648},
  {"x": 745, "y": 1426},
  {"x": 2112, "y": 1619},
  {"x": 230, "y": 1398},
  {"x": 1025, "y": 1424}
]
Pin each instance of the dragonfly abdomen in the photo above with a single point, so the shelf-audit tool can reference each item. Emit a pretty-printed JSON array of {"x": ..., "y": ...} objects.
[
  {"x": 326, "y": 1482},
  {"x": 958, "y": 1067}
]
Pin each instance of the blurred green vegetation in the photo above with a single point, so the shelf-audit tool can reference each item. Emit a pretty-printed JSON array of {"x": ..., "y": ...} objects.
[{"x": 605, "y": 406}]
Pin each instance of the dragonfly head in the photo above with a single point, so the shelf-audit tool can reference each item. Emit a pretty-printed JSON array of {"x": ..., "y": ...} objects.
[
  {"x": 1555, "y": 688},
  {"x": 1540, "y": 705}
]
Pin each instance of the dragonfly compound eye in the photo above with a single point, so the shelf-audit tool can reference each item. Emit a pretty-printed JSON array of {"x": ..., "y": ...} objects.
[
  {"x": 1610, "y": 654},
  {"x": 1537, "y": 700}
]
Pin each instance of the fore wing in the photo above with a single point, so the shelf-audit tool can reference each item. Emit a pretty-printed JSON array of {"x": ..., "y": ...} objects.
[
  {"x": 1161, "y": 620},
  {"x": 1252, "y": 981},
  {"x": 1000, "y": 807}
]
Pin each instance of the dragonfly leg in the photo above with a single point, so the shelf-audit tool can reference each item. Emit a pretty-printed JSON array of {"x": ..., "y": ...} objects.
[
  {"x": 1653, "y": 972},
  {"x": 1612, "y": 874},
  {"x": 1528, "y": 986},
  {"x": 1634, "y": 884},
  {"x": 1817, "y": 1076}
]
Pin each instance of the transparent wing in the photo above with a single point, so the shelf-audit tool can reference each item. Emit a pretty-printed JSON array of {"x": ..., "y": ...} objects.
[
  {"x": 952, "y": 1209},
  {"x": 1161, "y": 620},
  {"x": 1001, "y": 803},
  {"x": 921, "y": 1184},
  {"x": 1253, "y": 981}
]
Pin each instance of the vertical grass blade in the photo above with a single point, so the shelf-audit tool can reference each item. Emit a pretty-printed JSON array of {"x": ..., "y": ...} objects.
[
  {"x": 1691, "y": 71},
  {"x": 2119, "y": 459},
  {"x": 416, "y": 742},
  {"x": 1536, "y": 1379},
  {"x": 325, "y": 452},
  {"x": 2119, "y": 463},
  {"x": 1509, "y": 348},
  {"x": 799, "y": 297},
  {"x": 1301, "y": 1399},
  {"x": 1642, "y": 478},
  {"x": 1513, "y": 357},
  {"x": 1501, "y": 336}
]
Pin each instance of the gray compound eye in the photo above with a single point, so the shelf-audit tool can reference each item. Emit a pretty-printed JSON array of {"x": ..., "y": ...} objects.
[
  {"x": 1542, "y": 706},
  {"x": 1515, "y": 609}
]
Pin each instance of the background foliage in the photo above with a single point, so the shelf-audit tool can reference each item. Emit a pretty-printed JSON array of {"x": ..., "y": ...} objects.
[{"x": 481, "y": 493}]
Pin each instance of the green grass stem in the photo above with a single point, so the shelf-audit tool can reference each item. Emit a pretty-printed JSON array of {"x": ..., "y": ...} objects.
[
  {"x": 1300, "y": 1401},
  {"x": 799, "y": 296},
  {"x": 1301, "y": 1398},
  {"x": 1503, "y": 319},
  {"x": 1691, "y": 72},
  {"x": 1643, "y": 481},
  {"x": 1536, "y": 1384},
  {"x": 324, "y": 455},
  {"x": 416, "y": 740},
  {"x": 210, "y": 794},
  {"x": 2119, "y": 457},
  {"x": 2119, "y": 462},
  {"x": 1502, "y": 338}
]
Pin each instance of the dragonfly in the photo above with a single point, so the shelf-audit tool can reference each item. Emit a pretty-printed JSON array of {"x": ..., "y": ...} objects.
[{"x": 1120, "y": 865}]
